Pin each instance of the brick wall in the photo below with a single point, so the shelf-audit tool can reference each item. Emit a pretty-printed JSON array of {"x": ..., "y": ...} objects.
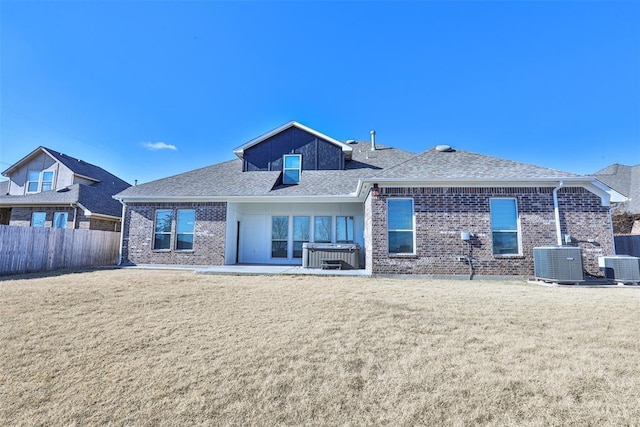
[
  {"x": 209, "y": 238},
  {"x": 21, "y": 216},
  {"x": 442, "y": 213}
]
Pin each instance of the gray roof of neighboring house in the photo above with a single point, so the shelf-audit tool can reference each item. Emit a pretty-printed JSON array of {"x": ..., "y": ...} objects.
[
  {"x": 96, "y": 197},
  {"x": 4, "y": 187},
  {"x": 624, "y": 179},
  {"x": 459, "y": 165},
  {"x": 227, "y": 178}
]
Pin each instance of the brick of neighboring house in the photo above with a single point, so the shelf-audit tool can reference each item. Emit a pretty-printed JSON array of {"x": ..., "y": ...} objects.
[
  {"x": 21, "y": 216},
  {"x": 442, "y": 213},
  {"x": 209, "y": 237}
]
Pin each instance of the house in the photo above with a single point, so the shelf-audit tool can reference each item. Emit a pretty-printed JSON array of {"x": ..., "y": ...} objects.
[
  {"x": 47, "y": 188},
  {"x": 625, "y": 180},
  {"x": 426, "y": 214}
]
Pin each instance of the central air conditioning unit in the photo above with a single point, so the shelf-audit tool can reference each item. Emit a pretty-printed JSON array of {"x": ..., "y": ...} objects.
[
  {"x": 620, "y": 268},
  {"x": 558, "y": 264}
]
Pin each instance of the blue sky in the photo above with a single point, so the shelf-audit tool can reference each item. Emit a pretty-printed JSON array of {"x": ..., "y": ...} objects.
[{"x": 551, "y": 83}]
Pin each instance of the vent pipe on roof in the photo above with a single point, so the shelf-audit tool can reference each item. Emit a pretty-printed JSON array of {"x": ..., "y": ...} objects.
[{"x": 373, "y": 140}]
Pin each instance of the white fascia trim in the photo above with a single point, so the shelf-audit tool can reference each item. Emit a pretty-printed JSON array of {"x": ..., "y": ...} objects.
[
  {"x": 86, "y": 177},
  {"x": 104, "y": 216},
  {"x": 346, "y": 149},
  {"x": 90, "y": 214},
  {"x": 614, "y": 196},
  {"x": 247, "y": 199},
  {"x": 86, "y": 212},
  {"x": 591, "y": 184}
]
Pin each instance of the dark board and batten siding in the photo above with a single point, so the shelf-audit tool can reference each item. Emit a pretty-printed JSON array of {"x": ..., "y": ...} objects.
[
  {"x": 28, "y": 249},
  {"x": 317, "y": 154}
]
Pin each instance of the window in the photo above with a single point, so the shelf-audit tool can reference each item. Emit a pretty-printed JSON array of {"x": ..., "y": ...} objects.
[
  {"x": 33, "y": 181},
  {"x": 162, "y": 235},
  {"x": 300, "y": 234},
  {"x": 60, "y": 219},
  {"x": 47, "y": 181},
  {"x": 291, "y": 166},
  {"x": 504, "y": 226},
  {"x": 279, "y": 236},
  {"x": 38, "y": 219},
  {"x": 344, "y": 229},
  {"x": 39, "y": 181},
  {"x": 322, "y": 229},
  {"x": 400, "y": 226},
  {"x": 185, "y": 227}
]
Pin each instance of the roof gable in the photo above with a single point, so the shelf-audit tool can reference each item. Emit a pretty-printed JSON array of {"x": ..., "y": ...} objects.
[{"x": 346, "y": 148}]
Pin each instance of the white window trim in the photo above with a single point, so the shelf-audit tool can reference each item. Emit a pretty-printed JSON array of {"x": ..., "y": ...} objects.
[
  {"x": 284, "y": 168},
  {"x": 287, "y": 240},
  {"x": 517, "y": 230},
  {"x": 332, "y": 237},
  {"x": 413, "y": 229},
  {"x": 40, "y": 181},
  {"x": 353, "y": 231},
  {"x": 293, "y": 237},
  {"x": 193, "y": 233},
  {"x": 170, "y": 233}
]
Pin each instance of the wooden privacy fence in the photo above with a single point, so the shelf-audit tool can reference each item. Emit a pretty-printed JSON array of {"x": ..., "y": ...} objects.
[
  {"x": 628, "y": 245},
  {"x": 28, "y": 249}
]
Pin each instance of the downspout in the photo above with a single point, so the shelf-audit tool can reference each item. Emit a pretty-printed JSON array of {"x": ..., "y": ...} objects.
[
  {"x": 124, "y": 208},
  {"x": 556, "y": 212}
]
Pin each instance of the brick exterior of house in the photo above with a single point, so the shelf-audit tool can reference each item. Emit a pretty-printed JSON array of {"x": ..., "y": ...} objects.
[
  {"x": 209, "y": 235},
  {"x": 442, "y": 213},
  {"x": 21, "y": 216}
]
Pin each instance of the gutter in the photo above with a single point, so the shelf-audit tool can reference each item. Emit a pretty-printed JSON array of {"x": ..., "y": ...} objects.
[{"x": 556, "y": 212}]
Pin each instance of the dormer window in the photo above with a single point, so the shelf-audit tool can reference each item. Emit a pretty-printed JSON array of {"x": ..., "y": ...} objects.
[
  {"x": 291, "y": 166},
  {"x": 39, "y": 181}
]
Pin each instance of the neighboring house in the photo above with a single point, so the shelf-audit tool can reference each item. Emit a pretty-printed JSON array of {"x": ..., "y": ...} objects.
[
  {"x": 50, "y": 189},
  {"x": 625, "y": 180},
  {"x": 408, "y": 212}
]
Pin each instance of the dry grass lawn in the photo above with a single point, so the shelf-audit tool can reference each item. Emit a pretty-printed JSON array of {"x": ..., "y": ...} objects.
[{"x": 136, "y": 347}]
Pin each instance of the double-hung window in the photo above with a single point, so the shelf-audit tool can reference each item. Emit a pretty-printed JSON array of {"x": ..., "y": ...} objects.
[
  {"x": 504, "y": 226},
  {"x": 185, "y": 227},
  {"x": 60, "y": 219},
  {"x": 279, "y": 236},
  {"x": 33, "y": 181},
  {"x": 400, "y": 226},
  {"x": 162, "y": 232},
  {"x": 291, "y": 167},
  {"x": 39, "y": 181},
  {"x": 47, "y": 181},
  {"x": 344, "y": 229}
]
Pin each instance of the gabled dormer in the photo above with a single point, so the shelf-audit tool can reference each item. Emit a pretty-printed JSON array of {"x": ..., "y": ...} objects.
[
  {"x": 291, "y": 149},
  {"x": 37, "y": 172}
]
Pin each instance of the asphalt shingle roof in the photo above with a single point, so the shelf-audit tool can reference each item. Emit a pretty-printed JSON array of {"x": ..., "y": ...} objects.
[
  {"x": 96, "y": 197},
  {"x": 227, "y": 179},
  {"x": 624, "y": 179},
  {"x": 433, "y": 165}
]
